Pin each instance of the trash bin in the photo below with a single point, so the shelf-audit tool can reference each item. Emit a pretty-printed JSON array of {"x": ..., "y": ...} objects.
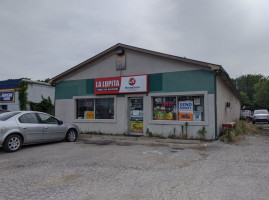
[
  {"x": 248, "y": 119},
  {"x": 226, "y": 126}
]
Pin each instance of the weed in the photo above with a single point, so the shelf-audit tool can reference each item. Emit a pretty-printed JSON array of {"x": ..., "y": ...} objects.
[
  {"x": 202, "y": 133},
  {"x": 158, "y": 136},
  {"x": 173, "y": 135},
  {"x": 234, "y": 135},
  {"x": 186, "y": 125},
  {"x": 150, "y": 134}
]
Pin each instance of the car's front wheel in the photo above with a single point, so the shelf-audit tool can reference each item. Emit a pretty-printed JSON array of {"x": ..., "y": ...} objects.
[
  {"x": 13, "y": 143},
  {"x": 71, "y": 135}
]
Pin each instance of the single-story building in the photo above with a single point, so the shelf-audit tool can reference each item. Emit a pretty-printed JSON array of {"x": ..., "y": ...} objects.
[
  {"x": 34, "y": 90},
  {"x": 129, "y": 90}
]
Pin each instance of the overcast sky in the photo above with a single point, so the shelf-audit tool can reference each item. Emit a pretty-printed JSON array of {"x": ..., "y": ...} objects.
[{"x": 41, "y": 39}]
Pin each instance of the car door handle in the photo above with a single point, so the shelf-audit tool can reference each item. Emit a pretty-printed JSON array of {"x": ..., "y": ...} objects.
[
  {"x": 46, "y": 127},
  {"x": 24, "y": 127}
]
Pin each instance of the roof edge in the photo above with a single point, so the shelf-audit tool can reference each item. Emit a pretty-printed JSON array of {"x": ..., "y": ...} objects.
[{"x": 62, "y": 75}]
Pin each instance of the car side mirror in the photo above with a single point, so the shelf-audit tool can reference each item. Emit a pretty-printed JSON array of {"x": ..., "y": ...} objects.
[{"x": 60, "y": 122}]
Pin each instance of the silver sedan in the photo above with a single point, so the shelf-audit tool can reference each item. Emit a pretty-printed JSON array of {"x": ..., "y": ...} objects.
[
  {"x": 260, "y": 116},
  {"x": 28, "y": 127}
]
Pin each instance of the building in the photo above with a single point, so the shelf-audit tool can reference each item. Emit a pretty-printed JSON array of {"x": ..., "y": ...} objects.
[
  {"x": 130, "y": 90},
  {"x": 9, "y": 93}
]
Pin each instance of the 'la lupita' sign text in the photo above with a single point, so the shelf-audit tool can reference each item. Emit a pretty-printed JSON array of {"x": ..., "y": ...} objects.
[{"x": 123, "y": 84}]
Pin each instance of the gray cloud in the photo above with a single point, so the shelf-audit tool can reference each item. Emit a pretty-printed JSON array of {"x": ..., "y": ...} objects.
[{"x": 40, "y": 39}]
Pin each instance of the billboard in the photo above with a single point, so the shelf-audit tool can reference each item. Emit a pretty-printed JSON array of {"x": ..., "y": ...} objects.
[{"x": 7, "y": 97}]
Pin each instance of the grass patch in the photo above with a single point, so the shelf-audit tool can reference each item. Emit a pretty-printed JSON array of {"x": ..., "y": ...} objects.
[
  {"x": 150, "y": 134},
  {"x": 236, "y": 134},
  {"x": 100, "y": 133}
]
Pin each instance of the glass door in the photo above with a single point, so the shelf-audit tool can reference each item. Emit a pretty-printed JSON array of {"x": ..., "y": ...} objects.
[{"x": 136, "y": 120}]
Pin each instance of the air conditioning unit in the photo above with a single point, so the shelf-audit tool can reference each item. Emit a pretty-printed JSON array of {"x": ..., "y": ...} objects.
[{"x": 227, "y": 104}]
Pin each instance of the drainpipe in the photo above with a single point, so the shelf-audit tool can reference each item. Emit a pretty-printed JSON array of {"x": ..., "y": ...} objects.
[
  {"x": 215, "y": 99},
  {"x": 216, "y": 74}
]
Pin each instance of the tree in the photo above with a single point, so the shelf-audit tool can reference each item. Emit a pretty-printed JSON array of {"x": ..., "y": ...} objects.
[
  {"x": 245, "y": 100},
  {"x": 261, "y": 96},
  {"x": 245, "y": 84},
  {"x": 45, "y": 81}
]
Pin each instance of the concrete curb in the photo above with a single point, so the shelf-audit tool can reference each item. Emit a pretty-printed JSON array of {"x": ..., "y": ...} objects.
[{"x": 146, "y": 141}]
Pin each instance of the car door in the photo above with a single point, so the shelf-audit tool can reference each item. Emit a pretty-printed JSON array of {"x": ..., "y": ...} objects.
[
  {"x": 31, "y": 128},
  {"x": 52, "y": 129}
]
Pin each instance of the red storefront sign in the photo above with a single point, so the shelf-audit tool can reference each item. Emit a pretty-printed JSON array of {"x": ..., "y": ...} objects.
[{"x": 123, "y": 84}]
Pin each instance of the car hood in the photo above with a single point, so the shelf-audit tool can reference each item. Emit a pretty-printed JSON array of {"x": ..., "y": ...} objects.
[{"x": 265, "y": 115}]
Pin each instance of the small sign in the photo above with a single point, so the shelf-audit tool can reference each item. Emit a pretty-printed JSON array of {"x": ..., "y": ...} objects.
[
  {"x": 197, "y": 101},
  {"x": 197, "y": 116},
  {"x": 200, "y": 108},
  {"x": 7, "y": 97},
  {"x": 185, "y": 106},
  {"x": 185, "y": 116},
  {"x": 89, "y": 114},
  {"x": 136, "y": 127}
]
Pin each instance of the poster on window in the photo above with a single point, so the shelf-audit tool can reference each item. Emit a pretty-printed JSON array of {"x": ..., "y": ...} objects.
[
  {"x": 185, "y": 116},
  {"x": 160, "y": 115},
  {"x": 197, "y": 116},
  {"x": 196, "y": 101},
  {"x": 185, "y": 106},
  {"x": 136, "y": 127},
  {"x": 89, "y": 115}
]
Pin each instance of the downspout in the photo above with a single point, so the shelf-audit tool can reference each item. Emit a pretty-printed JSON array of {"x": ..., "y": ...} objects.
[
  {"x": 217, "y": 73},
  {"x": 215, "y": 103},
  {"x": 52, "y": 83},
  {"x": 217, "y": 69}
]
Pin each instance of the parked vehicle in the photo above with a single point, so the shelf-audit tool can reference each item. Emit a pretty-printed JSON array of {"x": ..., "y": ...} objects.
[
  {"x": 245, "y": 113},
  {"x": 19, "y": 128},
  {"x": 260, "y": 116}
]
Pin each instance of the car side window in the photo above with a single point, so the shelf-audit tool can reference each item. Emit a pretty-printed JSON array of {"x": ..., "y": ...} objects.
[
  {"x": 29, "y": 118},
  {"x": 47, "y": 119}
]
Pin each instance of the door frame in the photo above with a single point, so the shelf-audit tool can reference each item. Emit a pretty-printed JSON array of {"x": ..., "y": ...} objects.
[{"x": 129, "y": 113}]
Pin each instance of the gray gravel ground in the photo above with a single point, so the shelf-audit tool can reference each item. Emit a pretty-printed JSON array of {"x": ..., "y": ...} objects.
[{"x": 144, "y": 172}]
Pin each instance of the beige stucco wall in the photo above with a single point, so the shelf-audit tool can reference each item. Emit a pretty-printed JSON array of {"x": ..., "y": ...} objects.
[
  {"x": 224, "y": 114},
  {"x": 137, "y": 63}
]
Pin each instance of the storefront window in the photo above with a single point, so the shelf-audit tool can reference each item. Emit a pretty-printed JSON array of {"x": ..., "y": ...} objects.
[
  {"x": 164, "y": 108},
  {"x": 95, "y": 108},
  {"x": 191, "y": 108},
  {"x": 104, "y": 108},
  {"x": 181, "y": 108}
]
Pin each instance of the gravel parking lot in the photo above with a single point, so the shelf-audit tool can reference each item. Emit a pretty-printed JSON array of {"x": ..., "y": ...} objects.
[{"x": 137, "y": 171}]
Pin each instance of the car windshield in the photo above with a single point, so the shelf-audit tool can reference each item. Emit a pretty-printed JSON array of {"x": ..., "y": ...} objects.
[
  {"x": 260, "y": 112},
  {"x": 6, "y": 116}
]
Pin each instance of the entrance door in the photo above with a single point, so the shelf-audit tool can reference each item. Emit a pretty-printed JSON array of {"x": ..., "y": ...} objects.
[{"x": 136, "y": 116}]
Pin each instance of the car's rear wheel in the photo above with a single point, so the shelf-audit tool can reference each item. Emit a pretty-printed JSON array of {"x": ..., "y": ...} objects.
[
  {"x": 13, "y": 143},
  {"x": 71, "y": 135}
]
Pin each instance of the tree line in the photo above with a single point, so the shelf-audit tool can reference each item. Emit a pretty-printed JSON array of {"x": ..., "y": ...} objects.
[{"x": 254, "y": 90}]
